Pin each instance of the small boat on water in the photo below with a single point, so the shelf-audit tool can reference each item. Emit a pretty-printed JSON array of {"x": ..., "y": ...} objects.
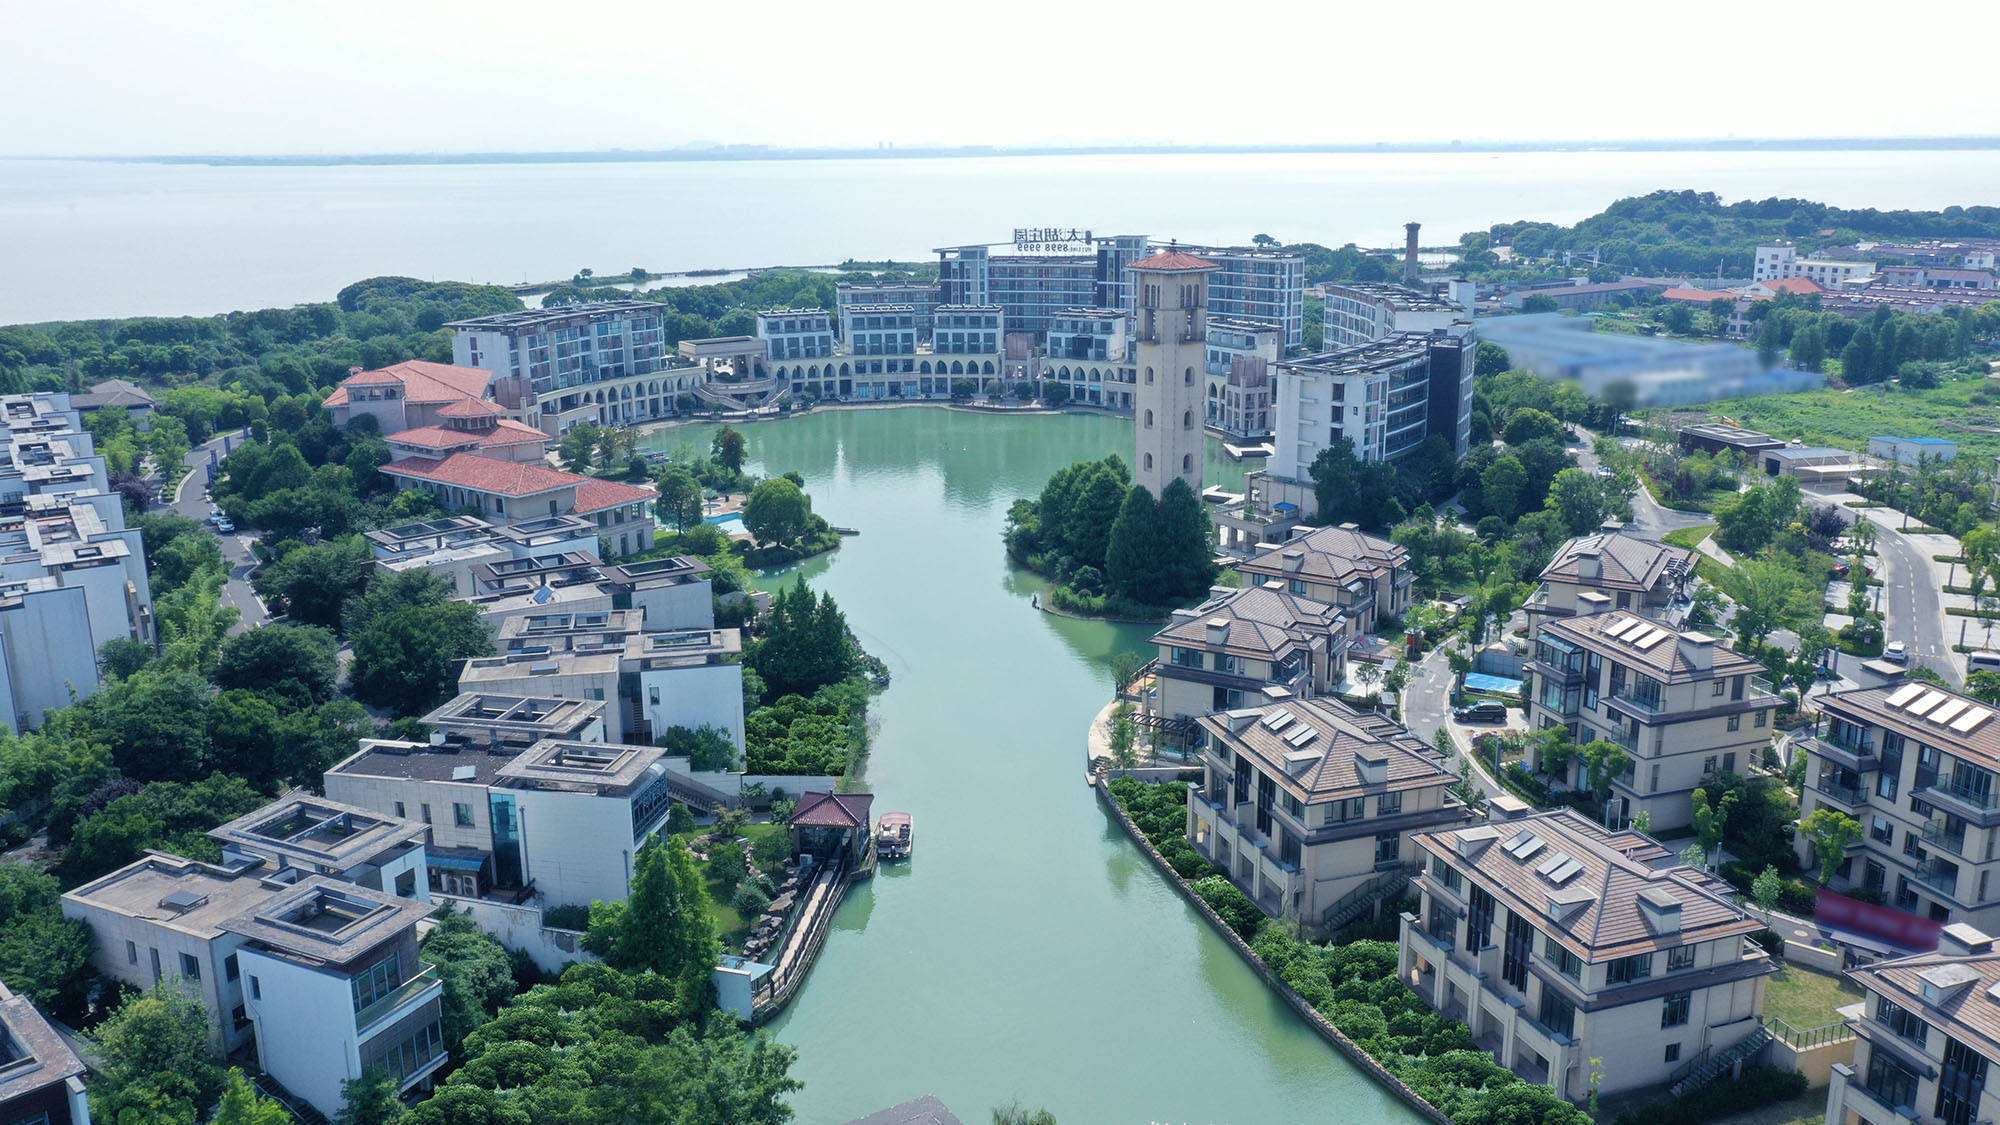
[{"x": 892, "y": 836}]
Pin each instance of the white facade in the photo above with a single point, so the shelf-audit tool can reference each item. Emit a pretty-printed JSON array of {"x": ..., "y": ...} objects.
[
  {"x": 1167, "y": 403},
  {"x": 1912, "y": 451},
  {"x": 1385, "y": 398},
  {"x": 1778, "y": 261},
  {"x": 1361, "y": 313},
  {"x": 566, "y": 355},
  {"x": 796, "y": 334},
  {"x": 703, "y": 695}
]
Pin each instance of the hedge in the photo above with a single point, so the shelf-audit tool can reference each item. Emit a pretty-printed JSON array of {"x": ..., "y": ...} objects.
[{"x": 1756, "y": 1087}]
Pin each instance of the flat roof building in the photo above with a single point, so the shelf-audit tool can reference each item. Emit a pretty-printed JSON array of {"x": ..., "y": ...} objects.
[
  {"x": 41, "y": 1078},
  {"x": 563, "y": 355},
  {"x": 1361, "y": 312}
]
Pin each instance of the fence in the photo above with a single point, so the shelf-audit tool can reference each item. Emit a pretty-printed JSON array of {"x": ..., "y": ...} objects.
[{"x": 1808, "y": 1038}]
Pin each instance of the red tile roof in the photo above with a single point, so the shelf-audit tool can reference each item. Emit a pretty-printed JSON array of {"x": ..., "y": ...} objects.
[
  {"x": 422, "y": 382},
  {"x": 470, "y": 408},
  {"x": 1173, "y": 261},
  {"x": 833, "y": 810},
  {"x": 1801, "y": 285},
  {"x": 485, "y": 474},
  {"x": 597, "y": 495},
  {"x": 506, "y": 431}
]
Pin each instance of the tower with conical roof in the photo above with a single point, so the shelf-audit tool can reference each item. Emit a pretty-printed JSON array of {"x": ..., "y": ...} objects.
[{"x": 1172, "y": 304}]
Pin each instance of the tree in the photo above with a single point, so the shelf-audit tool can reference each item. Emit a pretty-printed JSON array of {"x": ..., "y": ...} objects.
[
  {"x": 1766, "y": 888},
  {"x": 242, "y": 1105},
  {"x": 777, "y": 512},
  {"x": 1529, "y": 424},
  {"x": 1131, "y": 554},
  {"x": 1126, "y": 666},
  {"x": 407, "y": 661},
  {"x": 477, "y": 973},
  {"x": 706, "y": 748},
  {"x": 43, "y": 955},
  {"x": 1603, "y": 761},
  {"x": 728, "y": 446},
  {"x": 663, "y": 925},
  {"x": 1187, "y": 543},
  {"x": 1753, "y": 519},
  {"x": 1124, "y": 739},
  {"x": 294, "y": 663},
  {"x": 1984, "y": 686},
  {"x": 1771, "y": 595},
  {"x": 313, "y": 584},
  {"x": 372, "y": 1099},
  {"x": 1013, "y": 1113},
  {"x": 578, "y": 447},
  {"x": 1490, "y": 359},
  {"x": 156, "y": 1066},
  {"x": 1809, "y": 347},
  {"x": 1711, "y": 818},
  {"x": 1579, "y": 499},
  {"x": 1501, "y": 487},
  {"x": 1831, "y": 831},
  {"x": 805, "y": 645},
  {"x": 680, "y": 498},
  {"x": 1678, "y": 318}
]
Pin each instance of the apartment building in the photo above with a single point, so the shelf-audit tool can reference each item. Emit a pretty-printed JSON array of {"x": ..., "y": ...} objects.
[
  {"x": 919, "y": 295},
  {"x": 1928, "y": 1039},
  {"x": 1915, "y": 763},
  {"x": 1240, "y": 355},
  {"x": 333, "y": 988},
  {"x": 1384, "y": 398},
  {"x": 41, "y": 1078},
  {"x": 1309, "y": 805},
  {"x": 648, "y": 681},
  {"x": 1362, "y": 312},
  {"x": 1251, "y": 283},
  {"x": 1224, "y": 653},
  {"x": 1624, "y": 571},
  {"x": 600, "y": 361},
  {"x": 454, "y": 547},
  {"x": 1681, "y": 704},
  {"x": 1089, "y": 351},
  {"x": 560, "y": 821},
  {"x": 475, "y": 721},
  {"x": 1366, "y": 577},
  {"x": 1568, "y": 948},
  {"x": 1780, "y": 260},
  {"x": 796, "y": 334}
]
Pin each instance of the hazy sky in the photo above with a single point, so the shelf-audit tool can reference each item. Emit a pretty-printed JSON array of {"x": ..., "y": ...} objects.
[{"x": 264, "y": 76}]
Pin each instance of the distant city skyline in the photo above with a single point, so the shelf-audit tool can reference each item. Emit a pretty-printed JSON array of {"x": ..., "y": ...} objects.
[{"x": 235, "y": 77}]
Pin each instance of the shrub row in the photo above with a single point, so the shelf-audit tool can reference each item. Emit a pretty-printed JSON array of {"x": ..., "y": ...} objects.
[
  {"x": 1756, "y": 1087},
  {"x": 1796, "y": 898}
]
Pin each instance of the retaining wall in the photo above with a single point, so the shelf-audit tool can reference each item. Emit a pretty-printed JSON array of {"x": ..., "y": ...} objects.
[
  {"x": 1816, "y": 1063},
  {"x": 521, "y": 927},
  {"x": 1319, "y": 1023}
]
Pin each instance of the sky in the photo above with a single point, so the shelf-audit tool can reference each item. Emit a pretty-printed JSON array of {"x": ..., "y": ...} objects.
[{"x": 130, "y": 77}]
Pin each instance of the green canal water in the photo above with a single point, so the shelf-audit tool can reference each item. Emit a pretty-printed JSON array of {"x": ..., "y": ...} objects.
[{"x": 1027, "y": 950}]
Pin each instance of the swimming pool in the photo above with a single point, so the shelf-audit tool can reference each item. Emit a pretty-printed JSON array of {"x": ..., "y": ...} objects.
[{"x": 728, "y": 524}]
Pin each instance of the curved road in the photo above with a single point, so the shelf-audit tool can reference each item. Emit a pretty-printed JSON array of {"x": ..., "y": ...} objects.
[{"x": 190, "y": 502}]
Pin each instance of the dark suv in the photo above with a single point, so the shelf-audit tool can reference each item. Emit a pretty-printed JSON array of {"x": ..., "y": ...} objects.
[{"x": 1484, "y": 711}]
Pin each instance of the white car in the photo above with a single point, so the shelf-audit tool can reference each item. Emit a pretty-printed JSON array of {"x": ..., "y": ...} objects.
[{"x": 1897, "y": 651}]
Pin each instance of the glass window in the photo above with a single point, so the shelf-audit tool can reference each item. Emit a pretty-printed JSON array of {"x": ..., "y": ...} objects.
[
  {"x": 190, "y": 968},
  {"x": 1388, "y": 804},
  {"x": 377, "y": 981},
  {"x": 1682, "y": 958},
  {"x": 230, "y": 969},
  {"x": 1902, "y": 1021},
  {"x": 461, "y": 814},
  {"x": 1674, "y": 1009},
  {"x": 1625, "y": 970}
]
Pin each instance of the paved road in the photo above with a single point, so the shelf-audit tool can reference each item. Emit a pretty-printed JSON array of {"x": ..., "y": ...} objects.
[
  {"x": 236, "y": 555},
  {"x": 1912, "y": 605},
  {"x": 1648, "y": 517},
  {"x": 1427, "y": 709}
]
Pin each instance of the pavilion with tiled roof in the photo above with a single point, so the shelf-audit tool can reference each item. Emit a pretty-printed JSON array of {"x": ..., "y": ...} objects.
[{"x": 832, "y": 826}]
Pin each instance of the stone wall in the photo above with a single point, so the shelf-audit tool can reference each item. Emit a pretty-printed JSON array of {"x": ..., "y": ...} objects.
[{"x": 1319, "y": 1023}]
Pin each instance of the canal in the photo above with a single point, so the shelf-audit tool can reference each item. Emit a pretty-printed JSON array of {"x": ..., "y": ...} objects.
[{"x": 1027, "y": 950}]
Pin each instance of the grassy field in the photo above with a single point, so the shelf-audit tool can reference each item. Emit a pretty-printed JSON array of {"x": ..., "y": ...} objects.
[
  {"x": 1806, "y": 999},
  {"x": 769, "y": 846},
  {"x": 1847, "y": 419},
  {"x": 1689, "y": 537}
]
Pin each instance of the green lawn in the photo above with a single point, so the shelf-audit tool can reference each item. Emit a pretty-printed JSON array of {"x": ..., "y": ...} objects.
[
  {"x": 769, "y": 848},
  {"x": 1806, "y": 999},
  {"x": 1689, "y": 537},
  {"x": 1847, "y": 419}
]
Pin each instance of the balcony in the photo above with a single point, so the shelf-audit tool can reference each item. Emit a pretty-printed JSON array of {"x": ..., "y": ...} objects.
[
  {"x": 1979, "y": 806},
  {"x": 1938, "y": 876},
  {"x": 402, "y": 994},
  {"x": 1861, "y": 759},
  {"x": 1643, "y": 705},
  {"x": 1950, "y": 839},
  {"x": 1849, "y": 795}
]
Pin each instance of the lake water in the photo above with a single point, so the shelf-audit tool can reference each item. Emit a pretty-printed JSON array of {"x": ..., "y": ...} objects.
[
  {"x": 1027, "y": 949},
  {"x": 87, "y": 239}
]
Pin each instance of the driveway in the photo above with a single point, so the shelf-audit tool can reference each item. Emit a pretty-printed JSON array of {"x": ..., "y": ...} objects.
[
  {"x": 1649, "y": 518},
  {"x": 189, "y": 501},
  {"x": 1427, "y": 709}
]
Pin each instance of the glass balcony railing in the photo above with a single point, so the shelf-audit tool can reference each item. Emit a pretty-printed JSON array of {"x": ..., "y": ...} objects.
[
  {"x": 1951, "y": 839},
  {"x": 1849, "y": 795},
  {"x": 395, "y": 998},
  {"x": 1939, "y": 876},
  {"x": 1979, "y": 797}
]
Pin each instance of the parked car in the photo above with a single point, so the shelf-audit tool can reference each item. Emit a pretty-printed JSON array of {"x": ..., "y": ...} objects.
[
  {"x": 223, "y": 525},
  {"x": 1483, "y": 711},
  {"x": 1984, "y": 660},
  {"x": 1898, "y": 651}
]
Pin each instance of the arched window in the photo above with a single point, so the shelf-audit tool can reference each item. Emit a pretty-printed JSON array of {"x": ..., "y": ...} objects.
[
  {"x": 1149, "y": 419},
  {"x": 1187, "y": 379},
  {"x": 1187, "y": 420},
  {"x": 1187, "y": 462},
  {"x": 1149, "y": 462},
  {"x": 1149, "y": 376}
]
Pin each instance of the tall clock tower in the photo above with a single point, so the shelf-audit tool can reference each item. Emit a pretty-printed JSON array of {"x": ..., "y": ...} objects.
[{"x": 1171, "y": 291}]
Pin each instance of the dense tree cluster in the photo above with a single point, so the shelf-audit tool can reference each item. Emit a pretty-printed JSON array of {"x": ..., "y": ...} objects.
[
  {"x": 1109, "y": 545},
  {"x": 805, "y": 645}
]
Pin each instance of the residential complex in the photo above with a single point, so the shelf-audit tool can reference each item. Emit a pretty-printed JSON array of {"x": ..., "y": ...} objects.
[
  {"x": 452, "y": 441},
  {"x": 72, "y": 575},
  {"x": 1915, "y": 764},
  {"x": 319, "y": 976},
  {"x": 1240, "y": 357},
  {"x": 41, "y": 1078},
  {"x": 1928, "y": 1039},
  {"x": 1613, "y": 569},
  {"x": 1366, "y": 577},
  {"x": 1362, "y": 312},
  {"x": 601, "y": 361},
  {"x": 1231, "y": 649},
  {"x": 1588, "y": 959},
  {"x": 456, "y": 548},
  {"x": 649, "y": 681},
  {"x": 1089, "y": 353},
  {"x": 1681, "y": 705},
  {"x": 1310, "y": 805}
]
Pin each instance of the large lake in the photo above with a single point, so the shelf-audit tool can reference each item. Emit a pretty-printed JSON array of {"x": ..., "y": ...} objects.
[
  {"x": 1027, "y": 949},
  {"x": 88, "y": 239}
]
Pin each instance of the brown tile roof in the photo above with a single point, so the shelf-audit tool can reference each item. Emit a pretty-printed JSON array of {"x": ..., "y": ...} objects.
[
  {"x": 833, "y": 810},
  {"x": 469, "y": 408},
  {"x": 1664, "y": 658},
  {"x": 597, "y": 495},
  {"x": 1968, "y": 1012},
  {"x": 1173, "y": 261},
  {"x": 45, "y": 1058},
  {"x": 1800, "y": 285},
  {"x": 485, "y": 474},
  {"x": 505, "y": 431},
  {"x": 1330, "y": 554},
  {"x": 1604, "y": 918},
  {"x": 1914, "y": 714},
  {"x": 1702, "y": 295},
  {"x": 1627, "y": 562},
  {"x": 1326, "y": 764},
  {"x": 1262, "y": 622},
  {"x": 422, "y": 382}
]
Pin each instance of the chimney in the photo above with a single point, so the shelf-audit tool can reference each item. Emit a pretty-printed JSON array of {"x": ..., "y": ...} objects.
[
  {"x": 1372, "y": 763},
  {"x": 1660, "y": 910},
  {"x": 1218, "y": 630},
  {"x": 1292, "y": 560},
  {"x": 1410, "y": 272},
  {"x": 1698, "y": 649},
  {"x": 1507, "y": 807},
  {"x": 1961, "y": 940},
  {"x": 1589, "y": 566}
]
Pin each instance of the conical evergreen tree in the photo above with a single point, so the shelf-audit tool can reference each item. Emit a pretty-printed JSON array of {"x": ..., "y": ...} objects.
[
  {"x": 1187, "y": 543},
  {"x": 1132, "y": 556}
]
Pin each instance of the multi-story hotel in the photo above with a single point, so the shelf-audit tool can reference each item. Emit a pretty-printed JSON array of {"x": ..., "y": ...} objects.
[
  {"x": 1682, "y": 705},
  {"x": 1916, "y": 765},
  {"x": 1309, "y": 805},
  {"x": 1240, "y": 356},
  {"x": 1365, "y": 576},
  {"x": 1362, "y": 312},
  {"x": 601, "y": 361},
  {"x": 1261, "y": 285},
  {"x": 1568, "y": 948},
  {"x": 1227, "y": 651},
  {"x": 795, "y": 334},
  {"x": 1928, "y": 1041},
  {"x": 1612, "y": 569},
  {"x": 1089, "y": 351}
]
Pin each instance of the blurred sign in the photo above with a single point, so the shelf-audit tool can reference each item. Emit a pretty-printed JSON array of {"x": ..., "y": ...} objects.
[
  {"x": 1051, "y": 240},
  {"x": 1883, "y": 923}
]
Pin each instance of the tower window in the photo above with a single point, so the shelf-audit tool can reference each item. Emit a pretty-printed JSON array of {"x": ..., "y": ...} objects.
[
  {"x": 1149, "y": 462},
  {"x": 1149, "y": 419},
  {"x": 1187, "y": 420},
  {"x": 1187, "y": 462},
  {"x": 1187, "y": 377},
  {"x": 1149, "y": 376}
]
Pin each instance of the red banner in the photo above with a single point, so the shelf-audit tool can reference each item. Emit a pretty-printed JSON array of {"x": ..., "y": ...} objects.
[{"x": 1883, "y": 923}]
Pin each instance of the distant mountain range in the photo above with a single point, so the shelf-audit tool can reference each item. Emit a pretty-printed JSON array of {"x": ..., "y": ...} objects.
[{"x": 768, "y": 152}]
